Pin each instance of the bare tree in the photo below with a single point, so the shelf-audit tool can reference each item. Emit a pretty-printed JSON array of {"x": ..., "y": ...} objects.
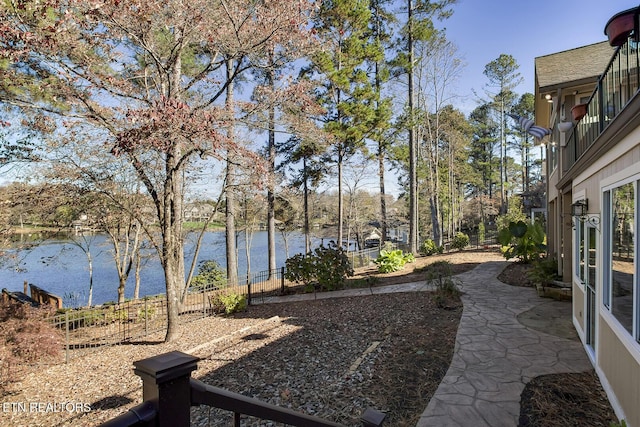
[
  {"x": 145, "y": 81},
  {"x": 436, "y": 70}
]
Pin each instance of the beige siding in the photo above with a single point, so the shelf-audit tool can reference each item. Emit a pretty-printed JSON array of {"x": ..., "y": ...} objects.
[
  {"x": 566, "y": 230},
  {"x": 618, "y": 365},
  {"x": 578, "y": 306},
  {"x": 622, "y": 372}
]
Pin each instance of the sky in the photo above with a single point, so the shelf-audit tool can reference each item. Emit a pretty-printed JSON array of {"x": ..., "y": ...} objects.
[{"x": 484, "y": 29}]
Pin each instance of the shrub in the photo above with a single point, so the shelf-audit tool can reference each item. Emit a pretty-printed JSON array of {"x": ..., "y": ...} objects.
[
  {"x": 523, "y": 241},
  {"x": 26, "y": 336},
  {"x": 514, "y": 213},
  {"x": 233, "y": 302},
  {"x": 148, "y": 313},
  {"x": 210, "y": 274},
  {"x": 324, "y": 268},
  {"x": 392, "y": 260},
  {"x": 460, "y": 241},
  {"x": 429, "y": 247},
  {"x": 439, "y": 275},
  {"x": 481, "y": 233},
  {"x": 82, "y": 317},
  {"x": 544, "y": 271}
]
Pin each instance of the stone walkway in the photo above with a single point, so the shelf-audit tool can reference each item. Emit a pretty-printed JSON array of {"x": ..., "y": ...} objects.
[{"x": 496, "y": 355}]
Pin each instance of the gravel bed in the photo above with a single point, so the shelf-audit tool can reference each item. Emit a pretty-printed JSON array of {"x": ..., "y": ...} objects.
[{"x": 318, "y": 357}]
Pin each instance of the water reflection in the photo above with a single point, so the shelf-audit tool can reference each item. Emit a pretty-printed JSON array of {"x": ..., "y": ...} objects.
[{"x": 60, "y": 267}]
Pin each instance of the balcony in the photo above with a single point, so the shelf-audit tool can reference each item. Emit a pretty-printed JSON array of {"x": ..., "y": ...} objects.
[{"x": 616, "y": 87}]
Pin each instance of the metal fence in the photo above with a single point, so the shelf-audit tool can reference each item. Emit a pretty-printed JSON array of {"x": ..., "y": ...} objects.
[
  {"x": 88, "y": 329},
  {"x": 483, "y": 241}
]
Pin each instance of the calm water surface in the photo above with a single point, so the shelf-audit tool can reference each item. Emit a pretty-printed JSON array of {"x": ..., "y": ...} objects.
[{"x": 61, "y": 267}]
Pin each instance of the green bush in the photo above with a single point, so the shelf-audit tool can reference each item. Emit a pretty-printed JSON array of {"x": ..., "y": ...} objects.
[
  {"x": 460, "y": 241},
  {"x": 514, "y": 213},
  {"x": 147, "y": 313},
  {"x": 523, "y": 241},
  {"x": 210, "y": 274},
  {"x": 544, "y": 271},
  {"x": 481, "y": 233},
  {"x": 80, "y": 318},
  {"x": 429, "y": 247},
  {"x": 324, "y": 268},
  {"x": 439, "y": 275},
  {"x": 392, "y": 260},
  {"x": 233, "y": 302}
]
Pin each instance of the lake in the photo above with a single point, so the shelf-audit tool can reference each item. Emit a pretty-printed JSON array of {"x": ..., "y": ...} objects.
[{"x": 61, "y": 267}]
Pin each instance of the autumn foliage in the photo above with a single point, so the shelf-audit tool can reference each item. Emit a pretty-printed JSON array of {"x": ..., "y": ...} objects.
[
  {"x": 26, "y": 337},
  {"x": 148, "y": 83}
]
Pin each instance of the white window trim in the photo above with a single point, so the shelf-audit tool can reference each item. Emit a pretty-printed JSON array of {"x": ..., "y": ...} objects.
[{"x": 630, "y": 340}]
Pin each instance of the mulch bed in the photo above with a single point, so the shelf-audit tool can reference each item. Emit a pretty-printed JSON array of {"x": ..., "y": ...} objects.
[
  {"x": 559, "y": 400},
  {"x": 565, "y": 400}
]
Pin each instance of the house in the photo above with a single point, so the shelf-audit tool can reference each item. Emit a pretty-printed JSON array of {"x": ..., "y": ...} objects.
[{"x": 589, "y": 97}]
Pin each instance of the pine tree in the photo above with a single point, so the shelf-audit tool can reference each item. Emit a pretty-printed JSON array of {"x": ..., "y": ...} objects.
[{"x": 346, "y": 91}]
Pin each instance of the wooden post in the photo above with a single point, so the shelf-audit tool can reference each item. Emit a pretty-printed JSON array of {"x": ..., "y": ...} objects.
[{"x": 166, "y": 383}]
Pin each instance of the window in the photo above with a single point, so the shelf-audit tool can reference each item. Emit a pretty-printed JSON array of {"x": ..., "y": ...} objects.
[
  {"x": 579, "y": 250},
  {"x": 620, "y": 215}
]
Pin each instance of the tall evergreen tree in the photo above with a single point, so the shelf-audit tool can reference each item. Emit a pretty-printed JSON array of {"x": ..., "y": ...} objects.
[
  {"x": 418, "y": 27},
  {"x": 482, "y": 154},
  {"x": 307, "y": 155},
  {"x": 523, "y": 141},
  {"x": 382, "y": 134},
  {"x": 345, "y": 90},
  {"x": 503, "y": 76}
]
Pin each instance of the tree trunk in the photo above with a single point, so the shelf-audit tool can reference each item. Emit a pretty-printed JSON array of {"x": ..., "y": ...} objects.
[
  {"x": 90, "y": 300},
  {"x": 231, "y": 205},
  {"x": 307, "y": 229},
  {"x": 383, "y": 199},
  {"x": 122, "y": 281},
  {"x": 136, "y": 289},
  {"x": 271, "y": 149},
  {"x": 435, "y": 220},
  {"x": 340, "y": 202},
  {"x": 413, "y": 173},
  {"x": 172, "y": 243}
]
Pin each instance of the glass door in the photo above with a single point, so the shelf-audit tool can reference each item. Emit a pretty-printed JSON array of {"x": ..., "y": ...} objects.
[{"x": 590, "y": 257}]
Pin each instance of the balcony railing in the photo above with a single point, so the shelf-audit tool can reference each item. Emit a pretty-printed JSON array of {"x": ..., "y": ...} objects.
[
  {"x": 169, "y": 392},
  {"x": 617, "y": 85}
]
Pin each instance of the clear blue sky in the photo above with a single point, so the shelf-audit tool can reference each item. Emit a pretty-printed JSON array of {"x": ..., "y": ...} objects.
[{"x": 484, "y": 29}]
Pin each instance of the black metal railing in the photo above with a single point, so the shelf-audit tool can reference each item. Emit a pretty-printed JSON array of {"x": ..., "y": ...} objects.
[
  {"x": 616, "y": 87},
  {"x": 169, "y": 392},
  {"x": 88, "y": 329}
]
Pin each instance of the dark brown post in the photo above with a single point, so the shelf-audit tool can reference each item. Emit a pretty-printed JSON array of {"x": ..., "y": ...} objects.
[
  {"x": 165, "y": 382},
  {"x": 372, "y": 418},
  {"x": 281, "y": 280}
]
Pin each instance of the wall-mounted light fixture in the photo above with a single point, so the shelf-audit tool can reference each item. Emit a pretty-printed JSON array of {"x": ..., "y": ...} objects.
[
  {"x": 548, "y": 97},
  {"x": 580, "y": 208},
  {"x": 579, "y": 211}
]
